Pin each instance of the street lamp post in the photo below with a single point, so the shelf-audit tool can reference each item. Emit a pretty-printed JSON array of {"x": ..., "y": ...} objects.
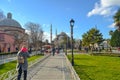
[{"x": 71, "y": 25}]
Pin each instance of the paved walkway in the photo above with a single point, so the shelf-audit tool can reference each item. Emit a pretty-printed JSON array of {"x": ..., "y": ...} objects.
[{"x": 52, "y": 68}]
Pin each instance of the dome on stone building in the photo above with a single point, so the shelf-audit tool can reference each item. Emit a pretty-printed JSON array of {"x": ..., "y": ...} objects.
[{"x": 9, "y": 21}]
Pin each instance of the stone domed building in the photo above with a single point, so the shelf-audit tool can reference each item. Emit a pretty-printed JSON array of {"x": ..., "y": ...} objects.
[
  {"x": 61, "y": 40},
  {"x": 11, "y": 34}
]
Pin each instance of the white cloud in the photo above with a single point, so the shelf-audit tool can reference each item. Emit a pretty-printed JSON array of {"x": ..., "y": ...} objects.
[
  {"x": 108, "y": 3},
  {"x": 27, "y": 31},
  {"x": 47, "y": 36},
  {"x": 68, "y": 33},
  {"x": 105, "y": 8},
  {"x": 112, "y": 25}
]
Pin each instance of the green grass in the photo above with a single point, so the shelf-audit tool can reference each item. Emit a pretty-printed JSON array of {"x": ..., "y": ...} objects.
[
  {"x": 90, "y": 67},
  {"x": 12, "y": 65}
]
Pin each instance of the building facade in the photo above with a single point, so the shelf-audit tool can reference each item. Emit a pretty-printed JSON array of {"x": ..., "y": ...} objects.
[
  {"x": 12, "y": 35},
  {"x": 62, "y": 40}
]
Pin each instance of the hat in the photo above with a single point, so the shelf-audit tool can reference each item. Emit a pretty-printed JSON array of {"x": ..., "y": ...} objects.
[{"x": 24, "y": 49}]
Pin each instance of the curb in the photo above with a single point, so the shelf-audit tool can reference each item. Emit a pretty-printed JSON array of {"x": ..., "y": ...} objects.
[{"x": 73, "y": 72}]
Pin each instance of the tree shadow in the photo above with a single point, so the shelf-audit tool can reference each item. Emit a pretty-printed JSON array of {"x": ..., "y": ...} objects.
[{"x": 79, "y": 69}]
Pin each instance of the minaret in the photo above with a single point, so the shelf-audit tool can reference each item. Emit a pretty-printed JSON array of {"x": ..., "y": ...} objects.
[
  {"x": 57, "y": 38},
  {"x": 56, "y": 32},
  {"x": 51, "y": 33}
]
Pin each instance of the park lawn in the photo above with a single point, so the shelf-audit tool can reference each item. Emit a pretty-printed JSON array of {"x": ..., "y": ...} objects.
[
  {"x": 90, "y": 67},
  {"x": 12, "y": 65}
]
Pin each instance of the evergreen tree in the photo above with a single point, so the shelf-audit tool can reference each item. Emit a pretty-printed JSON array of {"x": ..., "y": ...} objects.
[
  {"x": 115, "y": 39},
  {"x": 91, "y": 37},
  {"x": 117, "y": 19}
]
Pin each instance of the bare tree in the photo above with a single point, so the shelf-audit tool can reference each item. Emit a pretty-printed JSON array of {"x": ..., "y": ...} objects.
[
  {"x": 35, "y": 34},
  {"x": 20, "y": 38},
  {"x": 77, "y": 43}
]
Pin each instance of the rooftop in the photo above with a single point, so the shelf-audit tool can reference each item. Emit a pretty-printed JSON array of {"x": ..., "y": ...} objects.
[{"x": 9, "y": 21}]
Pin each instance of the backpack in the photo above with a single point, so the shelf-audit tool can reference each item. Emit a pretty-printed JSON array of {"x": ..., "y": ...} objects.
[{"x": 20, "y": 59}]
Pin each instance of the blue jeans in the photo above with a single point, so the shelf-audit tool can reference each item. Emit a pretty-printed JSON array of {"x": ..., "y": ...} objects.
[{"x": 20, "y": 73}]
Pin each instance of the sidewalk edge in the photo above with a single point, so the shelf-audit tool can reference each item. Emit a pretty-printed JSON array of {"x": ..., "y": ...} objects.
[{"x": 73, "y": 72}]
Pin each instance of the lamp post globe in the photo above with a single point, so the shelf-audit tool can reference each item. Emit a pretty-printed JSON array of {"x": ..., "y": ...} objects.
[
  {"x": 72, "y": 25},
  {"x": 72, "y": 22}
]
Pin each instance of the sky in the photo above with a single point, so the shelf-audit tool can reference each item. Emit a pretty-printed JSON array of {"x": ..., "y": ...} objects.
[{"x": 86, "y": 14}]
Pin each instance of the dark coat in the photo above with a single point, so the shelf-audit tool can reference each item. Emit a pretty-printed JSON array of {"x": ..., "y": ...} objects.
[{"x": 25, "y": 64}]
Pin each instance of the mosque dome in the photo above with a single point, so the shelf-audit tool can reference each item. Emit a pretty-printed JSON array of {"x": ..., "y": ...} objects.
[{"x": 9, "y": 22}]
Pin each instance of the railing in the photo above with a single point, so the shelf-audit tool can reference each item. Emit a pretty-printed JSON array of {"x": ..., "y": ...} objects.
[{"x": 8, "y": 75}]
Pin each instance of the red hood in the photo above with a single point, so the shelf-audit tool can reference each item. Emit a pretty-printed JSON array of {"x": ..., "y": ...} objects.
[{"x": 24, "y": 49}]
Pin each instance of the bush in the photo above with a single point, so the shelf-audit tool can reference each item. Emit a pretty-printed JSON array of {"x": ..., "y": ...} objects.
[{"x": 106, "y": 54}]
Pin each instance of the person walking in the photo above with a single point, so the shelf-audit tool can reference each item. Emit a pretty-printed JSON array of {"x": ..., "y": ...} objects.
[
  {"x": 53, "y": 50},
  {"x": 22, "y": 63}
]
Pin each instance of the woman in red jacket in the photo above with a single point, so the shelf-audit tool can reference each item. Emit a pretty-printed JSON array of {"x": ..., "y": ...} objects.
[{"x": 22, "y": 64}]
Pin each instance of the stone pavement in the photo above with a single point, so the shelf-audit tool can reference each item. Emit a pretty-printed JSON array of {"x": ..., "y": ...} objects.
[{"x": 52, "y": 68}]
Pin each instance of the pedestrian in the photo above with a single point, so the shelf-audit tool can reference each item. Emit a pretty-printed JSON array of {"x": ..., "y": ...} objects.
[
  {"x": 8, "y": 49},
  {"x": 57, "y": 50},
  {"x": 30, "y": 50},
  {"x": 53, "y": 50},
  {"x": 22, "y": 63},
  {"x": 0, "y": 50},
  {"x": 16, "y": 49}
]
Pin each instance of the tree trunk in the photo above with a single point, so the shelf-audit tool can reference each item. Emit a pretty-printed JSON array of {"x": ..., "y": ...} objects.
[{"x": 119, "y": 28}]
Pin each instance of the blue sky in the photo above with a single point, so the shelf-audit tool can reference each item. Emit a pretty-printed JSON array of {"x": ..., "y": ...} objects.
[{"x": 86, "y": 13}]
